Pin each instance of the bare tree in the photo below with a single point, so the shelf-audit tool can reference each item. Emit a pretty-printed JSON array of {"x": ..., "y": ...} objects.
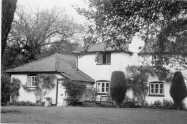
[{"x": 33, "y": 32}]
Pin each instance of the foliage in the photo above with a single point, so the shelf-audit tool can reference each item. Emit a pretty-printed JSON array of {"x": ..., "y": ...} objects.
[
  {"x": 9, "y": 89},
  {"x": 5, "y": 89},
  {"x": 14, "y": 89},
  {"x": 156, "y": 104},
  {"x": 45, "y": 83},
  {"x": 167, "y": 104},
  {"x": 23, "y": 103},
  {"x": 178, "y": 89},
  {"x": 74, "y": 90},
  {"x": 162, "y": 22},
  {"x": 118, "y": 87},
  {"x": 89, "y": 94},
  {"x": 39, "y": 34},
  {"x": 8, "y": 9},
  {"x": 130, "y": 103},
  {"x": 138, "y": 76}
]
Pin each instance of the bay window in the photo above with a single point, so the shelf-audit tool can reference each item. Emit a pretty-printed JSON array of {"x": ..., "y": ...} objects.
[{"x": 102, "y": 87}]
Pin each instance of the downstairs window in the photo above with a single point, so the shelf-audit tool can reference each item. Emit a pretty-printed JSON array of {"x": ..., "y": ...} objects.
[
  {"x": 103, "y": 87},
  {"x": 156, "y": 88},
  {"x": 32, "y": 80}
]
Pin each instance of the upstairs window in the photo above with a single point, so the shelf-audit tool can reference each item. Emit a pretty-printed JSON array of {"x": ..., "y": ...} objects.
[
  {"x": 32, "y": 80},
  {"x": 156, "y": 89},
  {"x": 103, "y": 58},
  {"x": 103, "y": 87}
]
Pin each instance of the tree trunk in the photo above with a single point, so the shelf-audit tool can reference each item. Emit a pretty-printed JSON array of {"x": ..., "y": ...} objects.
[{"x": 8, "y": 9}]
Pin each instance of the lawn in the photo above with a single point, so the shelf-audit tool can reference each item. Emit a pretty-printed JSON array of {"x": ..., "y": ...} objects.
[{"x": 91, "y": 115}]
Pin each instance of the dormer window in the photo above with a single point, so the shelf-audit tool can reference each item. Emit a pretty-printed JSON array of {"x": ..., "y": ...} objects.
[{"x": 103, "y": 58}]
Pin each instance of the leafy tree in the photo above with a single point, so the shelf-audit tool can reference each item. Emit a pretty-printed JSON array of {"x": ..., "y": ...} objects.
[
  {"x": 5, "y": 89},
  {"x": 74, "y": 90},
  {"x": 138, "y": 76},
  {"x": 117, "y": 21},
  {"x": 118, "y": 87},
  {"x": 8, "y": 9},
  {"x": 45, "y": 84},
  {"x": 9, "y": 89},
  {"x": 178, "y": 89},
  {"x": 14, "y": 89}
]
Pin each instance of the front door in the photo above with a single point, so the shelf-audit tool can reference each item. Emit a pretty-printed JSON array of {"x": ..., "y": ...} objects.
[{"x": 61, "y": 93}]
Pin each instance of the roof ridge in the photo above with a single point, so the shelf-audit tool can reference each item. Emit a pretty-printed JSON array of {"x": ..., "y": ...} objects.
[{"x": 33, "y": 61}]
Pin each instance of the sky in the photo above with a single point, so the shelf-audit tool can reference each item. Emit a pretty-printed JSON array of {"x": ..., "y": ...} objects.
[{"x": 63, "y": 5}]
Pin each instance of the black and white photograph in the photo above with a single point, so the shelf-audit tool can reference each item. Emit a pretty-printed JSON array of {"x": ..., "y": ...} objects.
[{"x": 93, "y": 62}]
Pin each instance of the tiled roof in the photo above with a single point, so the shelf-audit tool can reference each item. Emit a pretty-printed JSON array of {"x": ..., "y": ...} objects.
[
  {"x": 99, "y": 47},
  {"x": 63, "y": 64}
]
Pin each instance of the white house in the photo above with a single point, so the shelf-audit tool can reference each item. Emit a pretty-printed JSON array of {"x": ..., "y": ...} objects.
[
  {"x": 94, "y": 68},
  {"x": 100, "y": 61},
  {"x": 63, "y": 67}
]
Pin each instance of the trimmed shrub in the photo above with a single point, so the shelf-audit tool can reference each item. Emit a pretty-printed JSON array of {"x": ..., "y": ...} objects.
[
  {"x": 75, "y": 91},
  {"x": 178, "y": 90},
  {"x": 118, "y": 87}
]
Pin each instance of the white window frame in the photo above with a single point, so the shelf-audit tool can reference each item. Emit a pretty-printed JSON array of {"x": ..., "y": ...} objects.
[
  {"x": 106, "y": 58},
  {"x": 103, "y": 87},
  {"x": 156, "y": 88},
  {"x": 31, "y": 80}
]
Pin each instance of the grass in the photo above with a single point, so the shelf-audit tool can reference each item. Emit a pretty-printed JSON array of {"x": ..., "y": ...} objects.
[{"x": 90, "y": 115}]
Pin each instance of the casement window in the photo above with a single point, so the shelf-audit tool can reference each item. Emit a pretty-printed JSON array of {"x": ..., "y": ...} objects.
[
  {"x": 156, "y": 89},
  {"x": 103, "y": 87},
  {"x": 103, "y": 58},
  {"x": 32, "y": 80}
]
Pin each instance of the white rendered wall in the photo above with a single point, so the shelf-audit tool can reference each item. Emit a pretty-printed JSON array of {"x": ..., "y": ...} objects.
[
  {"x": 23, "y": 94},
  {"x": 30, "y": 96},
  {"x": 119, "y": 62}
]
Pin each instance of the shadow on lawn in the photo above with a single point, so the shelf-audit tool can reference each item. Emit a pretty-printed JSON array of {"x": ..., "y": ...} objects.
[{"x": 10, "y": 111}]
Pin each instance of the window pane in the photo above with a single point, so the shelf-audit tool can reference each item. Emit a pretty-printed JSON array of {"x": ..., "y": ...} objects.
[
  {"x": 104, "y": 58},
  {"x": 98, "y": 87},
  {"x": 152, "y": 88},
  {"x": 107, "y": 87},
  {"x": 161, "y": 91},
  {"x": 161, "y": 88},
  {"x": 99, "y": 58},
  {"x": 103, "y": 87},
  {"x": 29, "y": 81},
  {"x": 156, "y": 86},
  {"x": 108, "y": 58}
]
